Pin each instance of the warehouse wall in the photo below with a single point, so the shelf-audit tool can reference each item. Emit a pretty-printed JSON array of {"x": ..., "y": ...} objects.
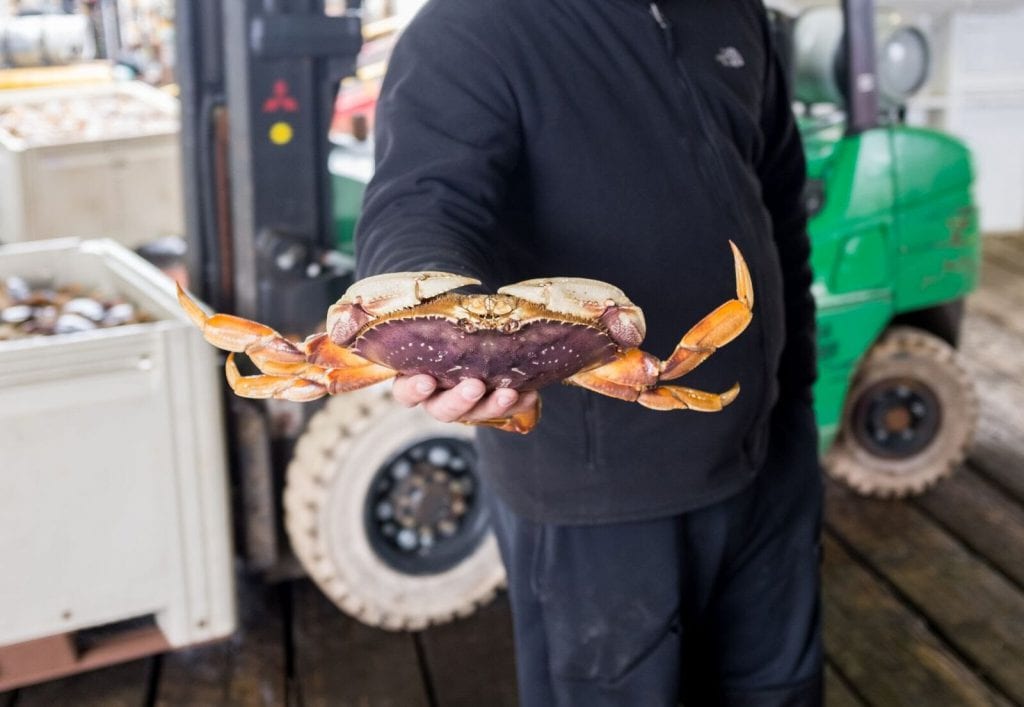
[{"x": 986, "y": 107}]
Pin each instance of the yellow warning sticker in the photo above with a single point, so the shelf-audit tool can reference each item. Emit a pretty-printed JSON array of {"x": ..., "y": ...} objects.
[{"x": 281, "y": 133}]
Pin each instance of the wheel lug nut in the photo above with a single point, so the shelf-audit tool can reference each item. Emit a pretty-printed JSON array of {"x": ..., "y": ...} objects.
[
  {"x": 406, "y": 539},
  {"x": 438, "y": 455},
  {"x": 400, "y": 469}
]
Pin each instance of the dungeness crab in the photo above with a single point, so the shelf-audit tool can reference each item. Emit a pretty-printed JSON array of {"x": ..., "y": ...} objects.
[{"x": 529, "y": 335}]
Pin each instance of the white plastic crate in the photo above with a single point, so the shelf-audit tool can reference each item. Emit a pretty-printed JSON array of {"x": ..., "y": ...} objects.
[
  {"x": 113, "y": 489},
  {"x": 124, "y": 187}
]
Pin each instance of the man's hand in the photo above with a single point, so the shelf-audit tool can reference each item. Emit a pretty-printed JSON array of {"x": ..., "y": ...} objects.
[{"x": 466, "y": 402}]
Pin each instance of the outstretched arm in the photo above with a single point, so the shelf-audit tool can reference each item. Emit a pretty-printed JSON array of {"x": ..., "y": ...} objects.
[{"x": 447, "y": 142}]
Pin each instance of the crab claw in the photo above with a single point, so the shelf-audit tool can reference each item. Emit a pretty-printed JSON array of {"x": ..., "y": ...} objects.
[
  {"x": 744, "y": 283},
  {"x": 717, "y": 329},
  {"x": 586, "y": 299},
  {"x": 376, "y": 296}
]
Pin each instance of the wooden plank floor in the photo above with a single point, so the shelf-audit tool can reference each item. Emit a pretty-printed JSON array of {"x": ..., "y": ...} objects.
[{"x": 923, "y": 601}]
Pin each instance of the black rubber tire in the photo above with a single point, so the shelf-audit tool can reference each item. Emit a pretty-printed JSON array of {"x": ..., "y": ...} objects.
[
  {"x": 325, "y": 492},
  {"x": 907, "y": 353}
]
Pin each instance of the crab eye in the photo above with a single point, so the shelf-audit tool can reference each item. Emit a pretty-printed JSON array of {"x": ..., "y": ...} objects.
[{"x": 511, "y": 325}]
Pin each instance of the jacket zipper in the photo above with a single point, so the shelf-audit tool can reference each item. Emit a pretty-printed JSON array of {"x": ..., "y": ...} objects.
[
  {"x": 666, "y": 28},
  {"x": 718, "y": 175},
  {"x": 684, "y": 79},
  {"x": 694, "y": 99}
]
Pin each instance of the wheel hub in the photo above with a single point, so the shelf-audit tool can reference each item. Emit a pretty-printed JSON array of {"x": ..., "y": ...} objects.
[
  {"x": 423, "y": 512},
  {"x": 428, "y": 500},
  {"x": 897, "y": 418}
]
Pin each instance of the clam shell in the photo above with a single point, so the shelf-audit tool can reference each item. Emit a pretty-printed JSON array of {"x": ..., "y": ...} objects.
[
  {"x": 16, "y": 314},
  {"x": 85, "y": 307},
  {"x": 73, "y": 324}
]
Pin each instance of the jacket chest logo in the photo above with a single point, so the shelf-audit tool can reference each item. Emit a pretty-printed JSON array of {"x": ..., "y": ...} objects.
[{"x": 730, "y": 57}]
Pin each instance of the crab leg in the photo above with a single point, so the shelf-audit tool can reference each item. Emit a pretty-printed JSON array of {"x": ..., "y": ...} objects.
[
  {"x": 272, "y": 353},
  {"x": 298, "y": 390},
  {"x": 625, "y": 377},
  {"x": 315, "y": 382},
  {"x": 342, "y": 380},
  {"x": 299, "y": 372},
  {"x": 323, "y": 352},
  {"x": 342, "y": 369},
  {"x": 676, "y": 397},
  {"x": 716, "y": 329},
  {"x": 633, "y": 377},
  {"x": 521, "y": 422}
]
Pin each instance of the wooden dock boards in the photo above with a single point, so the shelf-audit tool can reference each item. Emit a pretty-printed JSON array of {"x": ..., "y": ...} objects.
[
  {"x": 882, "y": 648},
  {"x": 975, "y": 610},
  {"x": 471, "y": 662},
  {"x": 339, "y": 662},
  {"x": 838, "y": 692},
  {"x": 248, "y": 669},
  {"x": 983, "y": 518},
  {"x": 994, "y": 354}
]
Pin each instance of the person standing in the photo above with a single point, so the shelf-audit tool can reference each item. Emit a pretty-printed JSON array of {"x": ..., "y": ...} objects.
[{"x": 653, "y": 556}]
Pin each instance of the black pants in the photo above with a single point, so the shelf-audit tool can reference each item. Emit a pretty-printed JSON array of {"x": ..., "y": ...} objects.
[{"x": 715, "y": 606}]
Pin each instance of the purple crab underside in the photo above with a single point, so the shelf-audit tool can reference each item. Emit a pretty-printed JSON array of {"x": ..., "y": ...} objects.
[{"x": 535, "y": 356}]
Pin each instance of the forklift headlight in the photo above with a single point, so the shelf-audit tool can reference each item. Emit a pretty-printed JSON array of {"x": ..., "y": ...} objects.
[{"x": 903, "y": 64}]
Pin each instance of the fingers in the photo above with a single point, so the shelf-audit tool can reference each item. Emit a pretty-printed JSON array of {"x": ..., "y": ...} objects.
[
  {"x": 467, "y": 402},
  {"x": 524, "y": 402},
  {"x": 501, "y": 403},
  {"x": 413, "y": 390},
  {"x": 455, "y": 404}
]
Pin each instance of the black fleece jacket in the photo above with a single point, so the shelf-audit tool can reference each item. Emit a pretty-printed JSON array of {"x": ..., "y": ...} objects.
[{"x": 616, "y": 140}]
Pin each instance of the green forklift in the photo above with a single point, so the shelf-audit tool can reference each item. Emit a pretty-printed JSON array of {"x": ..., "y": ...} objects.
[{"x": 895, "y": 251}]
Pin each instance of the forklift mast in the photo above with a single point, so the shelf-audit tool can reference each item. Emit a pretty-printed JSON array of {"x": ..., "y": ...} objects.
[
  {"x": 258, "y": 83},
  {"x": 861, "y": 79}
]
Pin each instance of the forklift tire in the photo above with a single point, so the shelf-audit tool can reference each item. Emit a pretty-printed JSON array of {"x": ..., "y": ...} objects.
[
  {"x": 909, "y": 418},
  {"x": 335, "y": 470}
]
